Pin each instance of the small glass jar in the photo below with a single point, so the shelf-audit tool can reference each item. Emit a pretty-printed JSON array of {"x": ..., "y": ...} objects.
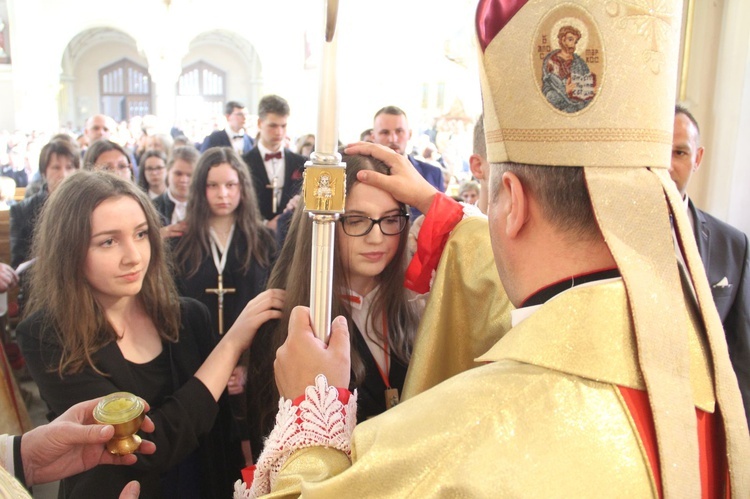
[{"x": 124, "y": 411}]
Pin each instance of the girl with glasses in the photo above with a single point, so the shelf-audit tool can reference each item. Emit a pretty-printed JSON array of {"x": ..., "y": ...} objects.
[
  {"x": 105, "y": 155},
  {"x": 224, "y": 257},
  {"x": 152, "y": 173},
  {"x": 104, "y": 317},
  {"x": 370, "y": 259}
]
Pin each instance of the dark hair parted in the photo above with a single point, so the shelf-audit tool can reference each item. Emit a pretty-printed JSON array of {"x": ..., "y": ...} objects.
[
  {"x": 61, "y": 148},
  {"x": 194, "y": 246},
  {"x": 561, "y": 193},
  {"x": 291, "y": 272},
  {"x": 58, "y": 285},
  {"x": 100, "y": 147},
  {"x": 230, "y": 106},
  {"x": 150, "y": 153},
  {"x": 273, "y": 104}
]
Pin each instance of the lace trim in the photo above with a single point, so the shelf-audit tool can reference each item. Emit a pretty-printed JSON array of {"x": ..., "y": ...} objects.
[{"x": 319, "y": 420}]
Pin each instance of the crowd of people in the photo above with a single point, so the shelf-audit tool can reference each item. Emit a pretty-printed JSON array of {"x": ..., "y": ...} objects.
[{"x": 514, "y": 343}]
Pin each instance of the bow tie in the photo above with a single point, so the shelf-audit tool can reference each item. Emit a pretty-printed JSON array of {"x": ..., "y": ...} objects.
[
  {"x": 238, "y": 137},
  {"x": 272, "y": 155}
]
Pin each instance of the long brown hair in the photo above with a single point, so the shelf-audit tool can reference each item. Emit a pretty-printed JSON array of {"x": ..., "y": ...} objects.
[
  {"x": 58, "y": 285},
  {"x": 194, "y": 246},
  {"x": 292, "y": 272}
]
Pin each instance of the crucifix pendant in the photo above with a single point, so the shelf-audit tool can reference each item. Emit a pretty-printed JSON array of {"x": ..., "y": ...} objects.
[
  {"x": 275, "y": 191},
  {"x": 220, "y": 291}
]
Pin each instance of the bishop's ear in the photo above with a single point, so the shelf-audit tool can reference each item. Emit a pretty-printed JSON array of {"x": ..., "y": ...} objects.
[{"x": 516, "y": 204}]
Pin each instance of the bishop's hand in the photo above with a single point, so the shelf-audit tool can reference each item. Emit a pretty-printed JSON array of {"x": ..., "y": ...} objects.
[
  {"x": 404, "y": 183},
  {"x": 303, "y": 356}
]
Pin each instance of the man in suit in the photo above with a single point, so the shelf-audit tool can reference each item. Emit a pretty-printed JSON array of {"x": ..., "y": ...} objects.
[
  {"x": 391, "y": 129},
  {"x": 723, "y": 249},
  {"x": 234, "y": 134},
  {"x": 276, "y": 171}
]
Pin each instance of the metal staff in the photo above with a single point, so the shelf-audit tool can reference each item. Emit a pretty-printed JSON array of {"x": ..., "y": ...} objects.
[{"x": 324, "y": 184}]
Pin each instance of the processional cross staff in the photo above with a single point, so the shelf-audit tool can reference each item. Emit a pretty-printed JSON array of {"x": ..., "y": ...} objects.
[{"x": 323, "y": 188}]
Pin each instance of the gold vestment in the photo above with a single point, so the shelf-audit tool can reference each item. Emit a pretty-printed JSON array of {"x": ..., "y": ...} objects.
[
  {"x": 466, "y": 313},
  {"x": 543, "y": 419}
]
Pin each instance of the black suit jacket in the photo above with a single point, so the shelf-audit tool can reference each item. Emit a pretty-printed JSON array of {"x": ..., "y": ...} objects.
[
  {"x": 188, "y": 420},
  {"x": 165, "y": 207},
  {"x": 724, "y": 251},
  {"x": 23, "y": 219},
  {"x": 220, "y": 138},
  {"x": 294, "y": 166}
]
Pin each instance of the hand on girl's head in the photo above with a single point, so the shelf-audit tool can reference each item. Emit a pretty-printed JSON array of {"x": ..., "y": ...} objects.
[
  {"x": 404, "y": 183},
  {"x": 264, "y": 307}
]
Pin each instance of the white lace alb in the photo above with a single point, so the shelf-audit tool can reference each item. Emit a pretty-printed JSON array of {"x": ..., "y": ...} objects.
[{"x": 320, "y": 420}]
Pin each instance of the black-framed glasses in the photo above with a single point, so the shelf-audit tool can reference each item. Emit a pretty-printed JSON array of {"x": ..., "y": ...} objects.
[
  {"x": 360, "y": 225},
  {"x": 112, "y": 167}
]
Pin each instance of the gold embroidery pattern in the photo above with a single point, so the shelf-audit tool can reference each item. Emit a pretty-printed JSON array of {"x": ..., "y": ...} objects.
[
  {"x": 579, "y": 135},
  {"x": 650, "y": 19}
]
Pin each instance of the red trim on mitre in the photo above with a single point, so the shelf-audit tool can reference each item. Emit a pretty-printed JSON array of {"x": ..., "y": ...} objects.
[
  {"x": 492, "y": 16},
  {"x": 713, "y": 465}
]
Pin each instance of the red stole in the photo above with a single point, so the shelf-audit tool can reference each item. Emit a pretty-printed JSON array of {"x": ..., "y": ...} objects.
[{"x": 713, "y": 465}]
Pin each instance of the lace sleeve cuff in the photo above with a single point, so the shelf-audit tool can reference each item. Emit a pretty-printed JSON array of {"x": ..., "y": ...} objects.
[{"x": 325, "y": 417}]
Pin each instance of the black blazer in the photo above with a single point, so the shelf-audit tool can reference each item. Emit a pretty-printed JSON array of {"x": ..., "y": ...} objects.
[
  {"x": 23, "y": 219},
  {"x": 220, "y": 138},
  {"x": 188, "y": 420},
  {"x": 294, "y": 166},
  {"x": 247, "y": 284},
  {"x": 165, "y": 207},
  {"x": 724, "y": 251}
]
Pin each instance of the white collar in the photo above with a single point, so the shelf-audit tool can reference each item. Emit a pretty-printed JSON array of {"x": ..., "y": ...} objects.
[
  {"x": 263, "y": 151},
  {"x": 357, "y": 301},
  {"x": 171, "y": 198}
]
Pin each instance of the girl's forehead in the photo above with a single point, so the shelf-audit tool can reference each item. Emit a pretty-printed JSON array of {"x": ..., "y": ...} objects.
[{"x": 363, "y": 197}]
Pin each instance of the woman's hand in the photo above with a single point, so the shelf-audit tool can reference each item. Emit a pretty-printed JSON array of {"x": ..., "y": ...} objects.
[
  {"x": 174, "y": 230},
  {"x": 217, "y": 369},
  {"x": 264, "y": 307}
]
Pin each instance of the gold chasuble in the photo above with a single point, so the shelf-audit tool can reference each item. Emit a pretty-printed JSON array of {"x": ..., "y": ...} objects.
[
  {"x": 466, "y": 313},
  {"x": 546, "y": 405}
]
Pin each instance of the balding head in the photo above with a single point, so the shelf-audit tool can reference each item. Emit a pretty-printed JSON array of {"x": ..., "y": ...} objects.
[{"x": 98, "y": 127}]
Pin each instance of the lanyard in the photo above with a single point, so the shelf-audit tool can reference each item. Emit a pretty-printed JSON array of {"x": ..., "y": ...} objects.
[
  {"x": 216, "y": 245},
  {"x": 384, "y": 375}
]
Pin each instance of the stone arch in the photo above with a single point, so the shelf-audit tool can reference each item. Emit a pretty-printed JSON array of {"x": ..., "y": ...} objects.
[
  {"x": 238, "y": 59},
  {"x": 86, "y": 53}
]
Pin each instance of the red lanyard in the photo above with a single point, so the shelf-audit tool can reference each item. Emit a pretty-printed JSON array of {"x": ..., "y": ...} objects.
[{"x": 385, "y": 349}]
